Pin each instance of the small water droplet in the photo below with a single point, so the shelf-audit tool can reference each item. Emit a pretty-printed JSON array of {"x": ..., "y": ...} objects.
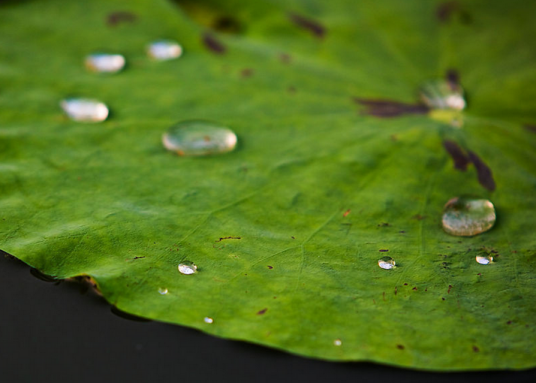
[
  {"x": 484, "y": 259},
  {"x": 105, "y": 63},
  {"x": 387, "y": 263},
  {"x": 209, "y": 320},
  {"x": 187, "y": 268},
  {"x": 163, "y": 291},
  {"x": 162, "y": 50},
  {"x": 199, "y": 138},
  {"x": 337, "y": 342},
  {"x": 442, "y": 94},
  {"x": 85, "y": 110},
  {"x": 467, "y": 217}
]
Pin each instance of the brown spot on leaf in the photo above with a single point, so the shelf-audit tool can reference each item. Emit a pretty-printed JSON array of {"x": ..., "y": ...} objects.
[
  {"x": 383, "y": 250},
  {"x": 270, "y": 267},
  {"x": 346, "y": 213},
  {"x": 476, "y": 349},
  {"x": 311, "y": 25},
  {"x": 138, "y": 257},
  {"x": 453, "y": 79},
  {"x": 387, "y": 108},
  {"x": 419, "y": 217},
  {"x": 115, "y": 18},
  {"x": 261, "y": 312},
  {"x": 443, "y": 298},
  {"x": 448, "y": 291},
  {"x": 213, "y": 44},
  {"x": 445, "y": 10},
  {"x": 509, "y": 322},
  {"x": 246, "y": 72},
  {"x": 415, "y": 288},
  {"x": 285, "y": 58},
  {"x": 485, "y": 177},
  {"x": 531, "y": 128},
  {"x": 461, "y": 161},
  {"x": 400, "y": 347}
]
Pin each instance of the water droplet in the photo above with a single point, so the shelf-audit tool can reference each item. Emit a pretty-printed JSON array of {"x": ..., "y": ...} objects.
[
  {"x": 442, "y": 94},
  {"x": 163, "y": 291},
  {"x": 199, "y": 138},
  {"x": 386, "y": 263},
  {"x": 164, "y": 50},
  {"x": 85, "y": 110},
  {"x": 187, "y": 268},
  {"x": 484, "y": 259},
  {"x": 467, "y": 217},
  {"x": 105, "y": 63},
  {"x": 337, "y": 342},
  {"x": 209, "y": 320}
]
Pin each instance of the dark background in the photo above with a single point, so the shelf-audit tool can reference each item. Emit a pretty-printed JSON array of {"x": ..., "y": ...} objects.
[{"x": 55, "y": 332}]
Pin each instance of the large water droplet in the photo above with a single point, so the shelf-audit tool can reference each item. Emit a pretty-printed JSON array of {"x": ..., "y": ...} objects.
[
  {"x": 387, "y": 263},
  {"x": 105, "y": 63},
  {"x": 199, "y": 138},
  {"x": 164, "y": 50},
  {"x": 467, "y": 217},
  {"x": 484, "y": 259},
  {"x": 85, "y": 110},
  {"x": 209, "y": 320},
  {"x": 442, "y": 94},
  {"x": 187, "y": 268}
]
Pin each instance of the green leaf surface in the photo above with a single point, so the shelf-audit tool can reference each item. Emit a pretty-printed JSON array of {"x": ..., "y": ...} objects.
[{"x": 315, "y": 189}]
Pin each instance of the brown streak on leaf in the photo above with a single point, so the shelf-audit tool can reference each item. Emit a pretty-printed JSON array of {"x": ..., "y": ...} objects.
[
  {"x": 485, "y": 176},
  {"x": 213, "y": 44},
  {"x": 461, "y": 161},
  {"x": 311, "y": 25}
]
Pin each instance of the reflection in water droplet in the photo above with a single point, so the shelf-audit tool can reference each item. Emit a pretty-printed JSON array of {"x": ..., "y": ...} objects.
[
  {"x": 105, "y": 63},
  {"x": 442, "y": 94},
  {"x": 187, "y": 268},
  {"x": 337, "y": 342},
  {"x": 467, "y": 217},
  {"x": 208, "y": 320},
  {"x": 386, "y": 263},
  {"x": 85, "y": 110},
  {"x": 199, "y": 138},
  {"x": 164, "y": 50},
  {"x": 163, "y": 291},
  {"x": 484, "y": 259}
]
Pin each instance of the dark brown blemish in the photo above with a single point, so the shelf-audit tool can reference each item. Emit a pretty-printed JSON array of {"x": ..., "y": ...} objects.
[
  {"x": 453, "y": 79},
  {"x": 115, "y": 18},
  {"x": 531, "y": 128},
  {"x": 443, "y": 298},
  {"x": 311, "y": 25},
  {"x": 415, "y": 288},
  {"x": 400, "y": 347},
  {"x": 387, "y": 108},
  {"x": 346, "y": 213},
  {"x": 227, "y": 24},
  {"x": 270, "y": 267},
  {"x": 419, "y": 217},
  {"x": 448, "y": 291},
  {"x": 384, "y": 224},
  {"x": 383, "y": 295},
  {"x": 396, "y": 290},
  {"x": 401, "y": 231},
  {"x": 485, "y": 177},
  {"x": 285, "y": 58},
  {"x": 262, "y": 311},
  {"x": 245, "y": 73},
  {"x": 383, "y": 250},
  {"x": 461, "y": 161},
  {"x": 293, "y": 237},
  {"x": 213, "y": 44},
  {"x": 445, "y": 10},
  {"x": 476, "y": 349},
  {"x": 509, "y": 322},
  {"x": 141, "y": 257},
  {"x": 223, "y": 238}
]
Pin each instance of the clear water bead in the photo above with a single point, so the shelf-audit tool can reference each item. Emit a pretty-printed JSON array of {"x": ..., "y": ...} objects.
[
  {"x": 105, "y": 63},
  {"x": 387, "y": 263},
  {"x": 85, "y": 110},
  {"x": 187, "y": 268},
  {"x": 442, "y": 94},
  {"x": 163, "y": 291},
  {"x": 209, "y": 320},
  {"x": 199, "y": 138},
  {"x": 164, "y": 50},
  {"x": 484, "y": 259},
  {"x": 337, "y": 342},
  {"x": 466, "y": 217}
]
